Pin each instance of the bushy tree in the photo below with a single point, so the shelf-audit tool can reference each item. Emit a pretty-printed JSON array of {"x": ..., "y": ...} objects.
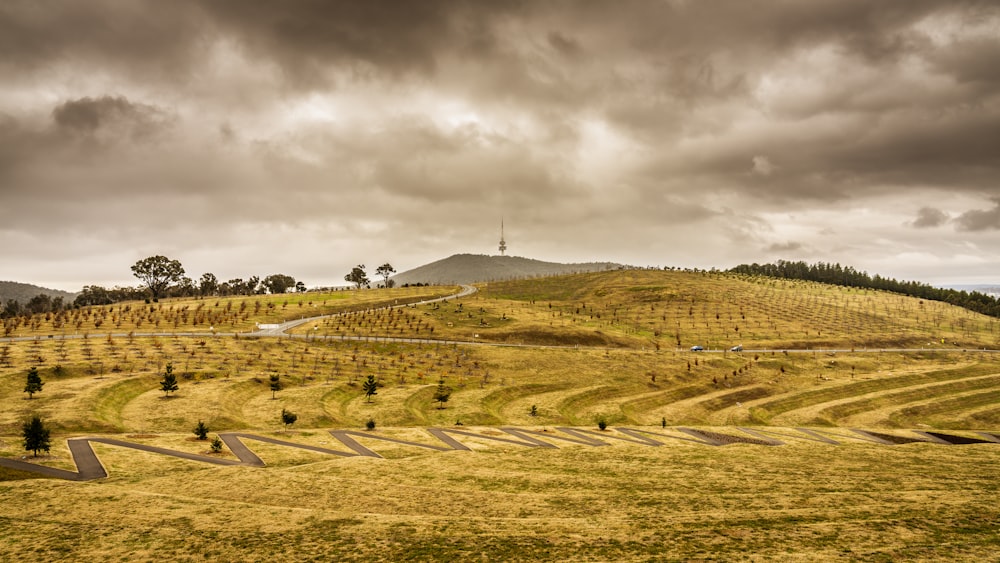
[
  {"x": 370, "y": 387},
  {"x": 209, "y": 284},
  {"x": 275, "y": 384},
  {"x": 384, "y": 271},
  {"x": 217, "y": 445},
  {"x": 36, "y": 435},
  {"x": 169, "y": 381},
  {"x": 288, "y": 418},
  {"x": 358, "y": 277},
  {"x": 34, "y": 383},
  {"x": 278, "y": 283},
  {"x": 158, "y": 272}
]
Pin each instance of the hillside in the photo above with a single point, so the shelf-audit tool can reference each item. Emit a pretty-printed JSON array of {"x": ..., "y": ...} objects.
[
  {"x": 507, "y": 463},
  {"x": 23, "y": 292},
  {"x": 473, "y": 268}
]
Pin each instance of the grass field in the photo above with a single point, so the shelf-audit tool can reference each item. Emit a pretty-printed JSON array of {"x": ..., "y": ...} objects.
[
  {"x": 609, "y": 346},
  {"x": 802, "y": 501}
]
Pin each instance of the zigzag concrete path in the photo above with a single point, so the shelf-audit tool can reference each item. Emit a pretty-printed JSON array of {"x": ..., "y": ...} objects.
[{"x": 89, "y": 466}]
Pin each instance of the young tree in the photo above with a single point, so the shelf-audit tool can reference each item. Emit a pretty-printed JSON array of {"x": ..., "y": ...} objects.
[
  {"x": 158, "y": 272},
  {"x": 384, "y": 271},
  {"x": 217, "y": 445},
  {"x": 288, "y": 418},
  {"x": 36, "y": 435},
  {"x": 370, "y": 387},
  {"x": 34, "y": 383},
  {"x": 275, "y": 384},
  {"x": 358, "y": 277},
  {"x": 169, "y": 381},
  {"x": 201, "y": 431},
  {"x": 442, "y": 394}
]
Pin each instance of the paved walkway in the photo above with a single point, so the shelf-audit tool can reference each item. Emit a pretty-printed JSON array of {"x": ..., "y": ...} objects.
[{"x": 89, "y": 466}]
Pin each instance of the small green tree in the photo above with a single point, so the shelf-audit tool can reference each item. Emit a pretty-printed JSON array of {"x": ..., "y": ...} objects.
[
  {"x": 385, "y": 271},
  {"x": 36, "y": 435},
  {"x": 158, "y": 272},
  {"x": 602, "y": 424},
  {"x": 442, "y": 394},
  {"x": 288, "y": 418},
  {"x": 358, "y": 277},
  {"x": 370, "y": 387},
  {"x": 201, "y": 431},
  {"x": 34, "y": 383},
  {"x": 533, "y": 411},
  {"x": 169, "y": 381},
  {"x": 275, "y": 384},
  {"x": 217, "y": 445},
  {"x": 370, "y": 425}
]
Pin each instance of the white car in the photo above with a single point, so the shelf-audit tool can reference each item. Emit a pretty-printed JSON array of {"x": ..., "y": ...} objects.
[
  {"x": 697, "y": 349},
  {"x": 738, "y": 348}
]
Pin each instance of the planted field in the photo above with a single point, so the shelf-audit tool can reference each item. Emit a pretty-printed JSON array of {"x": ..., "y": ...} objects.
[{"x": 606, "y": 348}]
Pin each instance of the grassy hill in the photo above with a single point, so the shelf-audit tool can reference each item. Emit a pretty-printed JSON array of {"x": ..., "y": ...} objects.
[
  {"x": 474, "y": 268},
  {"x": 23, "y": 292},
  {"x": 538, "y": 354},
  {"x": 610, "y": 345}
]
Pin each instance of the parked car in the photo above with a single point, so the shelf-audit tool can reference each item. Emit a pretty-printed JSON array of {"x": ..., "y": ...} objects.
[
  {"x": 737, "y": 348},
  {"x": 697, "y": 349}
]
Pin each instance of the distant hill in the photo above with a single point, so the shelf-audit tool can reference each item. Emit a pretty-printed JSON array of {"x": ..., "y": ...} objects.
[
  {"x": 23, "y": 292},
  {"x": 472, "y": 268}
]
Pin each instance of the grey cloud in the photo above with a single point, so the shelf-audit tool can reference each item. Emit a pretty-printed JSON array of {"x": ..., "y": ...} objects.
[
  {"x": 928, "y": 217},
  {"x": 376, "y": 36},
  {"x": 88, "y": 115},
  {"x": 590, "y": 121},
  {"x": 980, "y": 219},
  {"x": 784, "y": 247},
  {"x": 149, "y": 38}
]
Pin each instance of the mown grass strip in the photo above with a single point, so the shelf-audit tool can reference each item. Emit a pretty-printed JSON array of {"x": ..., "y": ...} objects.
[
  {"x": 800, "y": 400},
  {"x": 845, "y": 410}
]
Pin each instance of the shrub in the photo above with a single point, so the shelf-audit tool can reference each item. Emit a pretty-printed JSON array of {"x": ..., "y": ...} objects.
[{"x": 370, "y": 425}]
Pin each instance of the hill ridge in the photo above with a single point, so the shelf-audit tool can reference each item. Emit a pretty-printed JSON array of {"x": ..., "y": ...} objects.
[
  {"x": 23, "y": 292},
  {"x": 474, "y": 268}
]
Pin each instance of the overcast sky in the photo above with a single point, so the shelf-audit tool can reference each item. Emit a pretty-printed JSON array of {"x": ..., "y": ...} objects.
[{"x": 250, "y": 138}]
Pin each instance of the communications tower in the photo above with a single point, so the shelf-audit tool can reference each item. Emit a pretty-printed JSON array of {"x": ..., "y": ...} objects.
[{"x": 503, "y": 243}]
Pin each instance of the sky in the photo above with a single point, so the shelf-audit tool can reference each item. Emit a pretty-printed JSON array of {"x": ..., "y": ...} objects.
[{"x": 252, "y": 138}]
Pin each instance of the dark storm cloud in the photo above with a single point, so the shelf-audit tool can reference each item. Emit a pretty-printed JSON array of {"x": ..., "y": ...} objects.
[
  {"x": 738, "y": 124},
  {"x": 307, "y": 38},
  {"x": 88, "y": 115},
  {"x": 928, "y": 217},
  {"x": 980, "y": 219},
  {"x": 146, "y": 37}
]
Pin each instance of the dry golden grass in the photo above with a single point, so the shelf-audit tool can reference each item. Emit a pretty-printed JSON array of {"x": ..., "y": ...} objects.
[
  {"x": 619, "y": 363},
  {"x": 803, "y": 501}
]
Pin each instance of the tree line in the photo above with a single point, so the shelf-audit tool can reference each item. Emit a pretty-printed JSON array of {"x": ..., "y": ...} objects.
[
  {"x": 163, "y": 277},
  {"x": 835, "y": 274}
]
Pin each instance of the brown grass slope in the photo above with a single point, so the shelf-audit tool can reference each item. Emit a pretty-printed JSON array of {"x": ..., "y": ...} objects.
[{"x": 807, "y": 500}]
